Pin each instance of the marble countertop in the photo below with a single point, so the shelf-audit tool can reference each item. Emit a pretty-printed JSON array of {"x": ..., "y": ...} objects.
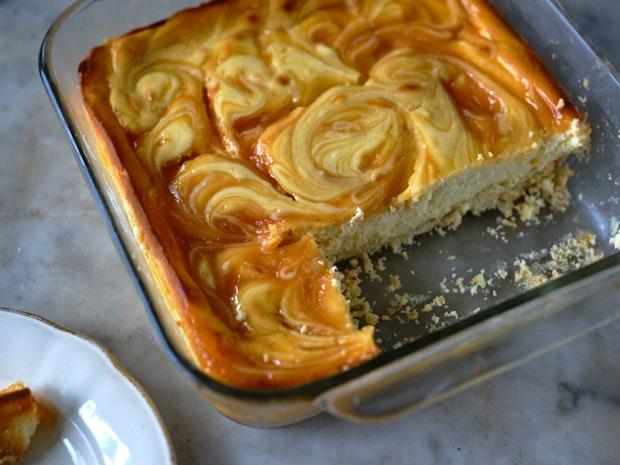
[{"x": 57, "y": 261}]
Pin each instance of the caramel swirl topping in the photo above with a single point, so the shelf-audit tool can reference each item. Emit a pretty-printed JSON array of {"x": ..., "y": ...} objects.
[{"x": 250, "y": 122}]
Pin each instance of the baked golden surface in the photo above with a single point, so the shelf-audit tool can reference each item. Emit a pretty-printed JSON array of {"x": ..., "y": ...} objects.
[
  {"x": 245, "y": 125},
  {"x": 19, "y": 418}
]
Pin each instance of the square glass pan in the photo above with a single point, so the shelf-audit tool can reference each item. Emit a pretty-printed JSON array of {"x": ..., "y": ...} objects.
[{"x": 510, "y": 327}]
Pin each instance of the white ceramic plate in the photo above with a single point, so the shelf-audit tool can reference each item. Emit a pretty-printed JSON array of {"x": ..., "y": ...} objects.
[{"x": 103, "y": 416}]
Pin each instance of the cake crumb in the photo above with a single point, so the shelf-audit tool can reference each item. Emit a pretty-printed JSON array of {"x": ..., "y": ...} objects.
[
  {"x": 394, "y": 284},
  {"x": 477, "y": 282},
  {"x": 403, "y": 341},
  {"x": 412, "y": 315},
  {"x": 369, "y": 268},
  {"x": 438, "y": 301},
  {"x": 571, "y": 252},
  {"x": 550, "y": 189},
  {"x": 372, "y": 318},
  {"x": 501, "y": 272},
  {"x": 350, "y": 283},
  {"x": 526, "y": 277},
  {"x": 460, "y": 286},
  {"x": 529, "y": 208},
  {"x": 406, "y": 301},
  {"x": 397, "y": 247}
]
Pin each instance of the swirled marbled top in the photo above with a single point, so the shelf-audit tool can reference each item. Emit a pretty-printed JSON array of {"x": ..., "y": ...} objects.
[{"x": 245, "y": 121}]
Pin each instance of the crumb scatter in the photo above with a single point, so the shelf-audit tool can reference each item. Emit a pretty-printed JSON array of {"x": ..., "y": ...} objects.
[{"x": 431, "y": 311}]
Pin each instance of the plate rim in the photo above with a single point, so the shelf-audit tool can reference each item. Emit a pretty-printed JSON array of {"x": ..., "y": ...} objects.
[{"x": 114, "y": 363}]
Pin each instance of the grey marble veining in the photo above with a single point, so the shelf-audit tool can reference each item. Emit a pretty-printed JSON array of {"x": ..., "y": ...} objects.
[{"x": 57, "y": 260}]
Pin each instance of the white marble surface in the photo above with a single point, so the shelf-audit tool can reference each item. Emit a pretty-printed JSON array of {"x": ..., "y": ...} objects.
[{"x": 56, "y": 260}]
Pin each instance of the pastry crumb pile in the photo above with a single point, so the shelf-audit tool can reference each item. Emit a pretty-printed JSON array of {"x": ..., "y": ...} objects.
[{"x": 528, "y": 270}]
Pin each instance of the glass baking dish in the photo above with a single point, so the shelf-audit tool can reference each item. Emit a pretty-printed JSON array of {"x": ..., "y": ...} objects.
[{"x": 489, "y": 333}]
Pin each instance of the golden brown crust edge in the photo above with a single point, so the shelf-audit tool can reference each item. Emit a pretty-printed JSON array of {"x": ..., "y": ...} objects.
[{"x": 111, "y": 143}]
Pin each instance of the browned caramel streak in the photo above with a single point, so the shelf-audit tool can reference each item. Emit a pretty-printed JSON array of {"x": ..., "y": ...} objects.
[{"x": 258, "y": 308}]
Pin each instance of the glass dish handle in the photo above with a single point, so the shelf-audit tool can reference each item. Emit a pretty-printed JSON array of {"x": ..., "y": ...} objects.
[{"x": 479, "y": 353}]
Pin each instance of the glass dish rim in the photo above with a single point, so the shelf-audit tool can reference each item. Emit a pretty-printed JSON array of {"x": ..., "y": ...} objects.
[{"x": 315, "y": 388}]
